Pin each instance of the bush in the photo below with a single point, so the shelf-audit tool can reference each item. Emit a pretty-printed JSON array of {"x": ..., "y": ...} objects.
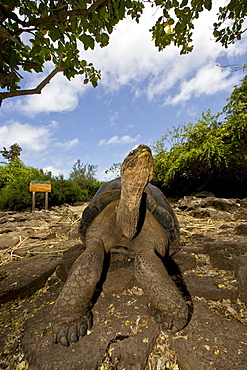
[
  {"x": 84, "y": 176},
  {"x": 208, "y": 155},
  {"x": 15, "y": 178},
  {"x": 66, "y": 191},
  {"x": 14, "y": 186}
]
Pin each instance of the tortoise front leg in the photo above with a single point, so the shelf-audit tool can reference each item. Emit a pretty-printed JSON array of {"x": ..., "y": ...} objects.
[
  {"x": 71, "y": 314},
  {"x": 167, "y": 304}
]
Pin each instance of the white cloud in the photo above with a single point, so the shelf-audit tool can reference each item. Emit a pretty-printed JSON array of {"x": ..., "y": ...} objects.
[
  {"x": 67, "y": 145},
  {"x": 53, "y": 170},
  {"x": 25, "y": 135},
  {"x": 60, "y": 95},
  {"x": 119, "y": 140},
  {"x": 113, "y": 117},
  {"x": 208, "y": 81},
  {"x": 132, "y": 59}
]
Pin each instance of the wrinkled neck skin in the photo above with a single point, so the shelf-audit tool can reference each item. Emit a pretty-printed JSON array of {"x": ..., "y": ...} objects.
[{"x": 129, "y": 205}]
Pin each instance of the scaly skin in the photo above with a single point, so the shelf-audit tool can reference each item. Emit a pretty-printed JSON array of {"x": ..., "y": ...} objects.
[
  {"x": 167, "y": 304},
  {"x": 71, "y": 315}
]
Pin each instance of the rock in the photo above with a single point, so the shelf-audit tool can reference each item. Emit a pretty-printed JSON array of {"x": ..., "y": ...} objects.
[
  {"x": 243, "y": 203},
  {"x": 240, "y": 214},
  {"x": 210, "y": 212},
  {"x": 44, "y": 235},
  {"x": 190, "y": 203},
  {"x": 20, "y": 279},
  {"x": 6, "y": 230},
  {"x": 73, "y": 233},
  {"x": 204, "y": 194},
  {"x": 200, "y": 213},
  {"x": 233, "y": 247},
  {"x": 65, "y": 244},
  {"x": 221, "y": 204},
  {"x": 5, "y": 219},
  {"x": 241, "y": 230},
  {"x": 200, "y": 238},
  {"x": 210, "y": 207},
  {"x": 194, "y": 249},
  {"x": 122, "y": 336},
  {"x": 9, "y": 240},
  {"x": 211, "y": 342},
  {"x": 240, "y": 268},
  {"x": 222, "y": 260},
  {"x": 225, "y": 227},
  {"x": 62, "y": 229},
  {"x": 184, "y": 261},
  {"x": 209, "y": 287},
  {"x": 20, "y": 217}
]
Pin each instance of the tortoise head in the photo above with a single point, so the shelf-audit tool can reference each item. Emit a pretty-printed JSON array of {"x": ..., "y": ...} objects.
[
  {"x": 136, "y": 172},
  {"x": 138, "y": 165}
]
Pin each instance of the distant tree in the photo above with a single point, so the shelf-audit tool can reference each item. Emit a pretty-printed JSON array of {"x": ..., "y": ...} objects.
[
  {"x": 82, "y": 172},
  {"x": 13, "y": 153},
  {"x": 237, "y": 102},
  {"x": 66, "y": 191},
  {"x": 114, "y": 169},
  {"x": 33, "y": 32},
  {"x": 84, "y": 176}
]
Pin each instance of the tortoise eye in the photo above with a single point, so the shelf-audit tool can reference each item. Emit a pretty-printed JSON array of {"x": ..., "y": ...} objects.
[{"x": 132, "y": 152}]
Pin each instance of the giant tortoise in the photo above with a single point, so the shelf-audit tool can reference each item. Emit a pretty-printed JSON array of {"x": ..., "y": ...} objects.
[{"x": 132, "y": 213}]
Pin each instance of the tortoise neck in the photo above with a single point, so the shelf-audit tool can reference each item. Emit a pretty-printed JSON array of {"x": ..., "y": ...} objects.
[{"x": 128, "y": 210}]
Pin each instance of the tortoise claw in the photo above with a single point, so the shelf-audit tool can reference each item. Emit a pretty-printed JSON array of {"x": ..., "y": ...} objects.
[
  {"x": 64, "y": 341},
  {"x": 167, "y": 321},
  {"x": 71, "y": 335}
]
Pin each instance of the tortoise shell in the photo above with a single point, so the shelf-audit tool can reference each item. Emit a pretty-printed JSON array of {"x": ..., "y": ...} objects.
[{"x": 155, "y": 202}]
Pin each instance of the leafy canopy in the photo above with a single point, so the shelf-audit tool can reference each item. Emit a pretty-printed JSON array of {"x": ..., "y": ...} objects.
[
  {"x": 33, "y": 32},
  {"x": 84, "y": 176},
  {"x": 13, "y": 153}
]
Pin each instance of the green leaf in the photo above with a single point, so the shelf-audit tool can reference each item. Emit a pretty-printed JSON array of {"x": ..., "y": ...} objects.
[
  {"x": 54, "y": 34},
  {"x": 94, "y": 83},
  {"x": 87, "y": 40},
  {"x": 208, "y": 4},
  {"x": 104, "y": 39}
]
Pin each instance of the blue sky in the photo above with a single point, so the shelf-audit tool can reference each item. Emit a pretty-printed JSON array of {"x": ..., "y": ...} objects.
[{"x": 142, "y": 94}]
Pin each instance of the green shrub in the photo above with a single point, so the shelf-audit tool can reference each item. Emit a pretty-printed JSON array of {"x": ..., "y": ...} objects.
[
  {"x": 14, "y": 191},
  {"x": 84, "y": 176},
  {"x": 66, "y": 191},
  {"x": 208, "y": 155}
]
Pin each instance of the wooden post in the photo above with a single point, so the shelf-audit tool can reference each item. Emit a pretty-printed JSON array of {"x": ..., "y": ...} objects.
[
  {"x": 33, "y": 202},
  {"x": 46, "y": 201},
  {"x": 44, "y": 186}
]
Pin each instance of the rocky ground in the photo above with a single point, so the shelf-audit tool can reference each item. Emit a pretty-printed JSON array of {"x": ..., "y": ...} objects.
[{"x": 37, "y": 249}]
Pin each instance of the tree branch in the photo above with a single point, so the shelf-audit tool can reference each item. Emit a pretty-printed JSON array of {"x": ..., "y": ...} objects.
[
  {"x": 37, "y": 90},
  {"x": 62, "y": 15}
]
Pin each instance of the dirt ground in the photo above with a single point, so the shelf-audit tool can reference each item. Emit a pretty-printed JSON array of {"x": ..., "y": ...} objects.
[{"x": 211, "y": 260}]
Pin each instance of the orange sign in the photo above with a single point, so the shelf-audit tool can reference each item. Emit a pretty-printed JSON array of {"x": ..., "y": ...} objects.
[{"x": 40, "y": 187}]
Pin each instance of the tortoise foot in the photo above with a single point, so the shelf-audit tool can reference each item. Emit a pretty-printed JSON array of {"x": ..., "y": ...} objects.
[
  {"x": 173, "y": 320},
  {"x": 70, "y": 331}
]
